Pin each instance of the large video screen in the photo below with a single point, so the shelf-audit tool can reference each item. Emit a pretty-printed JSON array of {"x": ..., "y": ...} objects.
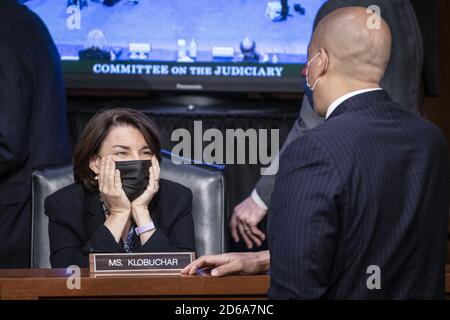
[{"x": 215, "y": 45}]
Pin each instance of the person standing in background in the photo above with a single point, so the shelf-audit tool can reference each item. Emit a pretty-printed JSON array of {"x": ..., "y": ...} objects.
[
  {"x": 33, "y": 127},
  {"x": 402, "y": 81}
]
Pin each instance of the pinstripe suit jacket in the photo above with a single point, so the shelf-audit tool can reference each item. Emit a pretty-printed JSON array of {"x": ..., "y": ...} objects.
[
  {"x": 368, "y": 187},
  {"x": 402, "y": 77}
]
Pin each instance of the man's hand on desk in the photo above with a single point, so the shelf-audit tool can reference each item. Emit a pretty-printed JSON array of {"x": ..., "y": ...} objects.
[{"x": 248, "y": 263}]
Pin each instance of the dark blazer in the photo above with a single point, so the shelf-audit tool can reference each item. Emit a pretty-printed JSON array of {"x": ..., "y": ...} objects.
[
  {"x": 76, "y": 224},
  {"x": 33, "y": 128},
  {"x": 368, "y": 187},
  {"x": 401, "y": 80}
]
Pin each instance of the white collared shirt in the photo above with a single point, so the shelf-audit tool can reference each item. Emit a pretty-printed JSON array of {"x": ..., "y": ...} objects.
[
  {"x": 257, "y": 199},
  {"x": 347, "y": 96}
]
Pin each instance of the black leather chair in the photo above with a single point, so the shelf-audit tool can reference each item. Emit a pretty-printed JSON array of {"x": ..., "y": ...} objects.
[{"x": 205, "y": 182}]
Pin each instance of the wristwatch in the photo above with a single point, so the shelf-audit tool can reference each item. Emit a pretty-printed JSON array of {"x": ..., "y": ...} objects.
[{"x": 145, "y": 228}]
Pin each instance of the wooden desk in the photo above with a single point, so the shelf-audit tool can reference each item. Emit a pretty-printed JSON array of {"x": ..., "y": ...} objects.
[{"x": 52, "y": 283}]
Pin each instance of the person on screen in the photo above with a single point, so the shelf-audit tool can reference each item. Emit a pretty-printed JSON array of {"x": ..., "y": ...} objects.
[
  {"x": 118, "y": 202},
  {"x": 78, "y": 3},
  {"x": 284, "y": 13},
  {"x": 248, "y": 50},
  {"x": 33, "y": 124},
  {"x": 402, "y": 81},
  {"x": 360, "y": 205},
  {"x": 95, "y": 47}
]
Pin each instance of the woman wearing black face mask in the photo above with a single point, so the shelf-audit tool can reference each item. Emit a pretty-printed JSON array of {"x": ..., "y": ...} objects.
[{"x": 118, "y": 203}]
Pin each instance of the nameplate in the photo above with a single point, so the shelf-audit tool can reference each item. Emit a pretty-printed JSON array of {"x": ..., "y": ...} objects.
[{"x": 163, "y": 263}]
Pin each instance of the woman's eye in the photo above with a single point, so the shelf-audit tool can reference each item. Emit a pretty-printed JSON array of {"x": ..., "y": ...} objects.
[
  {"x": 122, "y": 153},
  {"x": 146, "y": 153}
]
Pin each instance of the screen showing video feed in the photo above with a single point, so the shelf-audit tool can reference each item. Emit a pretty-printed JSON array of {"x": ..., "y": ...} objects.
[{"x": 258, "y": 45}]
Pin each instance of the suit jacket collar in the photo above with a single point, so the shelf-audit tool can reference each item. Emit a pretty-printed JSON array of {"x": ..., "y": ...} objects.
[{"x": 361, "y": 101}]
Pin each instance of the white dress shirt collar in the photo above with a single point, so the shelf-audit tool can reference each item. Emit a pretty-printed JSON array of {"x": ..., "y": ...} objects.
[{"x": 340, "y": 100}]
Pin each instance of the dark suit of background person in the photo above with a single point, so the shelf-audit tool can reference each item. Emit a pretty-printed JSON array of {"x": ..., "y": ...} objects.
[
  {"x": 402, "y": 79},
  {"x": 368, "y": 187},
  {"x": 94, "y": 54},
  {"x": 76, "y": 224},
  {"x": 33, "y": 129}
]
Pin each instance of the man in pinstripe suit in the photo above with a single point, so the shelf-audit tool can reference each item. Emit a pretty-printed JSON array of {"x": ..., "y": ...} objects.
[
  {"x": 360, "y": 205},
  {"x": 401, "y": 80}
]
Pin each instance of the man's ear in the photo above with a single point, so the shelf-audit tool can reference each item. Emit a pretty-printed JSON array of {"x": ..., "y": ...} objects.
[
  {"x": 94, "y": 164},
  {"x": 324, "y": 60}
]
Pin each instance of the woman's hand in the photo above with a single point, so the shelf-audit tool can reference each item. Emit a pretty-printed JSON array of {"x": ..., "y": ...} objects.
[
  {"x": 141, "y": 203},
  {"x": 139, "y": 207},
  {"x": 110, "y": 187}
]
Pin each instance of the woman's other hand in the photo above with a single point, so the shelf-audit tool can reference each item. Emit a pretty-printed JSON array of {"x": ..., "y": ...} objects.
[
  {"x": 110, "y": 188},
  {"x": 141, "y": 203}
]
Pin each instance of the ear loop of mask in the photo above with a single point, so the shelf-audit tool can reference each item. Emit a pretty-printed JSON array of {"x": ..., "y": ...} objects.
[{"x": 307, "y": 72}]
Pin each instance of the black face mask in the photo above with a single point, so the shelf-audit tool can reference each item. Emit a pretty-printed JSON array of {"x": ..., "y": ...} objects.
[{"x": 134, "y": 176}]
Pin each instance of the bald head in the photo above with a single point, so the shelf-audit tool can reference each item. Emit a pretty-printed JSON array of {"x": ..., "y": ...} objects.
[{"x": 355, "y": 51}]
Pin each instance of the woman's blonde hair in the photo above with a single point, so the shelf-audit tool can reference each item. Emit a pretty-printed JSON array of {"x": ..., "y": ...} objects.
[{"x": 96, "y": 39}]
